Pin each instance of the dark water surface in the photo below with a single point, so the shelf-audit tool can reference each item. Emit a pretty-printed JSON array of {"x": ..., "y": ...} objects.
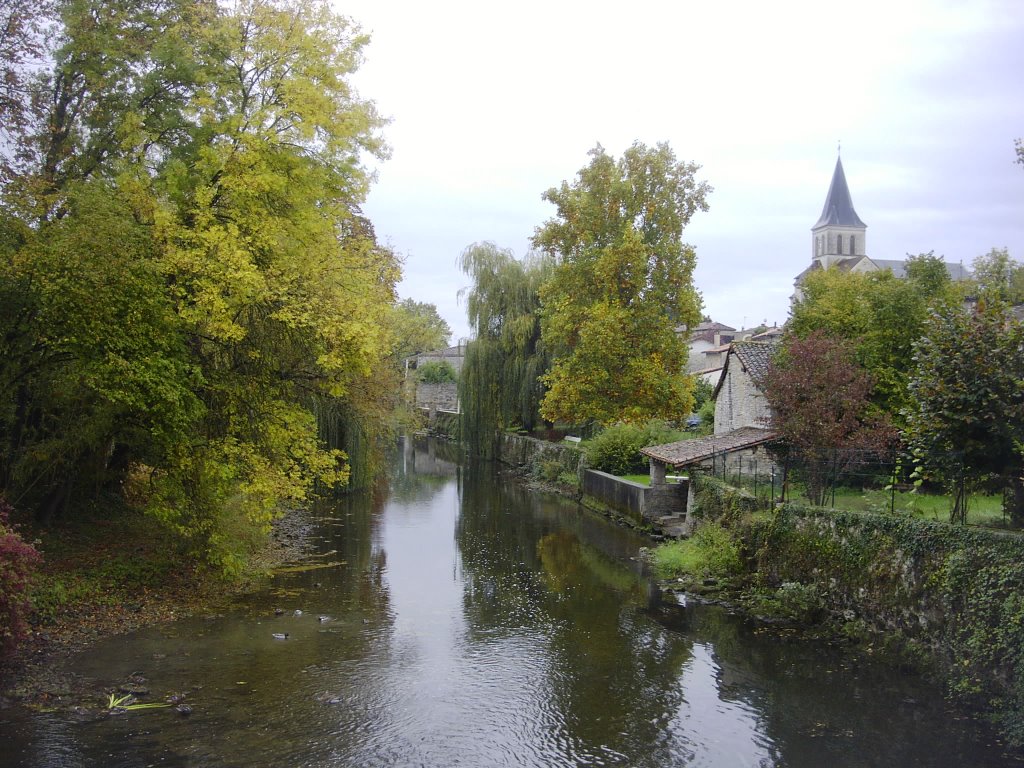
[{"x": 470, "y": 623}]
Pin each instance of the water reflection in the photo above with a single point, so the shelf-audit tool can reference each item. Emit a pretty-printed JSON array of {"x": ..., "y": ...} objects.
[{"x": 466, "y": 621}]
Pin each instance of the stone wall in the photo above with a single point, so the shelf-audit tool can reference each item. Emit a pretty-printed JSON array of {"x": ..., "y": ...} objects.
[
  {"x": 667, "y": 500},
  {"x": 529, "y": 454},
  {"x": 953, "y": 594},
  {"x": 438, "y": 397},
  {"x": 623, "y": 496},
  {"x": 739, "y": 402}
]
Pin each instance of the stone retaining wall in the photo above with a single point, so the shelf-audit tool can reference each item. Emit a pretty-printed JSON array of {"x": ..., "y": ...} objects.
[
  {"x": 953, "y": 593},
  {"x": 438, "y": 397},
  {"x": 623, "y": 496}
]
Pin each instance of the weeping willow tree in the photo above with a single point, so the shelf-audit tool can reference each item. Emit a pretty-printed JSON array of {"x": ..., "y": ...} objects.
[{"x": 499, "y": 386}]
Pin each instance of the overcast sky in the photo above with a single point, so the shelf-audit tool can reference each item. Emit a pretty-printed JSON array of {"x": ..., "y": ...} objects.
[{"x": 490, "y": 104}]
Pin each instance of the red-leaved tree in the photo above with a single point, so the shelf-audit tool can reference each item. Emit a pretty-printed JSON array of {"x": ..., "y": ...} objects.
[
  {"x": 18, "y": 561},
  {"x": 821, "y": 408}
]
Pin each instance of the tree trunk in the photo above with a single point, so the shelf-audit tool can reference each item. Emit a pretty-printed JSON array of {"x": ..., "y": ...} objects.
[{"x": 1013, "y": 500}]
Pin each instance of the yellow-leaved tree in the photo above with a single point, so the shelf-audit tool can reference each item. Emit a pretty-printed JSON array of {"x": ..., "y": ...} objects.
[
  {"x": 193, "y": 301},
  {"x": 622, "y": 283}
]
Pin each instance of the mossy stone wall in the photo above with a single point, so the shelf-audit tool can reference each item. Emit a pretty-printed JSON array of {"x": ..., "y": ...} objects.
[{"x": 956, "y": 592}]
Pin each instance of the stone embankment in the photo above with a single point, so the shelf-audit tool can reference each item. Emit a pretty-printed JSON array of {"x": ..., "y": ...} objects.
[{"x": 950, "y": 595}]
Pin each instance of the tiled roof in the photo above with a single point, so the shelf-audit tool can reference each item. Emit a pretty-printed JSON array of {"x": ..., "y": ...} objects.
[
  {"x": 699, "y": 449},
  {"x": 756, "y": 357},
  {"x": 707, "y": 331},
  {"x": 718, "y": 350},
  {"x": 768, "y": 335}
]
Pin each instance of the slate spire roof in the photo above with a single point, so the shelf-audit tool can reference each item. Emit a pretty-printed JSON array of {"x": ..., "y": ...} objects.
[{"x": 838, "y": 210}]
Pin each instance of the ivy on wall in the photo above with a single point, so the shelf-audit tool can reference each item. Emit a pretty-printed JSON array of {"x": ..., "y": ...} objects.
[{"x": 956, "y": 593}]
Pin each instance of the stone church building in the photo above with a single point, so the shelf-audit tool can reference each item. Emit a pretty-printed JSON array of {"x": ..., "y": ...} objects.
[{"x": 839, "y": 239}]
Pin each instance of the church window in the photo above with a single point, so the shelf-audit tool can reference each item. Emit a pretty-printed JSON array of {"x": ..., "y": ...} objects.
[
  {"x": 839, "y": 249},
  {"x": 853, "y": 240}
]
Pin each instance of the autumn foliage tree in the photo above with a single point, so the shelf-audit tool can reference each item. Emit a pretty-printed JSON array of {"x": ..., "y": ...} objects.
[
  {"x": 623, "y": 281},
  {"x": 194, "y": 303},
  {"x": 821, "y": 409}
]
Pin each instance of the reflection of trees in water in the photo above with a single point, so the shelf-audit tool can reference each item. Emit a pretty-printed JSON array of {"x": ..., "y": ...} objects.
[
  {"x": 422, "y": 467},
  {"x": 350, "y": 526},
  {"x": 613, "y": 674},
  {"x": 792, "y": 683}
]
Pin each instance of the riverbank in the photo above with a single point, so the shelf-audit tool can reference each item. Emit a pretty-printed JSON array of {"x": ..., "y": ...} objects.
[{"x": 106, "y": 577}]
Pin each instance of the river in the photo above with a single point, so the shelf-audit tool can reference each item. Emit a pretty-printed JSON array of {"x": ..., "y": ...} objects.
[{"x": 464, "y": 621}]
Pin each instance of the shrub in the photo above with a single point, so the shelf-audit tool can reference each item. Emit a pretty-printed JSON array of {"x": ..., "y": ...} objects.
[
  {"x": 616, "y": 449},
  {"x": 18, "y": 561},
  {"x": 707, "y": 417},
  {"x": 711, "y": 551},
  {"x": 436, "y": 372}
]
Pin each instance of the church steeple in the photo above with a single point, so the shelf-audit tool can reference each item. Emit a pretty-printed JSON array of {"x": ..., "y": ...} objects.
[{"x": 839, "y": 233}]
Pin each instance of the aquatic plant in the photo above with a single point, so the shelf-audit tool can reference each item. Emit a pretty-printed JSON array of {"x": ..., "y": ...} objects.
[{"x": 127, "y": 703}]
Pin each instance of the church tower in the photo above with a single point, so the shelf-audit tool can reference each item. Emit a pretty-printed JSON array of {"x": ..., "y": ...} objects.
[{"x": 839, "y": 233}]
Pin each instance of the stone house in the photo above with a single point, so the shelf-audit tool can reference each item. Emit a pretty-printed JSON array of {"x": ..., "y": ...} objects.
[
  {"x": 704, "y": 337},
  {"x": 739, "y": 401},
  {"x": 738, "y": 445},
  {"x": 710, "y": 342}
]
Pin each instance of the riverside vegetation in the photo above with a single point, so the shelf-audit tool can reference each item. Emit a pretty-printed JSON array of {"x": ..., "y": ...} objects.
[
  {"x": 948, "y": 599},
  {"x": 198, "y": 327}
]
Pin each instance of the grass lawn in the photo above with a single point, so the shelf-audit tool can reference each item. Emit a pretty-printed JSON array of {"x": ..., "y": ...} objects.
[{"x": 981, "y": 510}]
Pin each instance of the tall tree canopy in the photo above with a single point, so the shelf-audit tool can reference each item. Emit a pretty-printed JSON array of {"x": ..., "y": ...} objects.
[
  {"x": 419, "y": 328},
  {"x": 623, "y": 281},
  {"x": 880, "y": 314},
  {"x": 500, "y": 385},
  {"x": 196, "y": 301},
  {"x": 965, "y": 426}
]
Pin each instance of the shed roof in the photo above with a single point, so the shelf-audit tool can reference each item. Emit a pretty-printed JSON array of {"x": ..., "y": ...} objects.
[{"x": 685, "y": 452}]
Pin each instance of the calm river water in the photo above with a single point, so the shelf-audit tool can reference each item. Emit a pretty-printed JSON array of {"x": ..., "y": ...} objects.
[{"x": 463, "y": 621}]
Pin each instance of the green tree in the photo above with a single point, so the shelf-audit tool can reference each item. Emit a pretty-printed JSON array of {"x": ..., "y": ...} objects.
[
  {"x": 623, "y": 280},
  {"x": 880, "y": 314},
  {"x": 820, "y": 407},
  {"x": 282, "y": 291},
  {"x": 95, "y": 367},
  {"x": 997, "y": 277},
  {"x": 500, "y": 383},
  {"x": 23, "y": 46},
  {"x": 123, "y": 73},
  {"x": 965, "y": 425},
  {"x": 419, "y": 328}
]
